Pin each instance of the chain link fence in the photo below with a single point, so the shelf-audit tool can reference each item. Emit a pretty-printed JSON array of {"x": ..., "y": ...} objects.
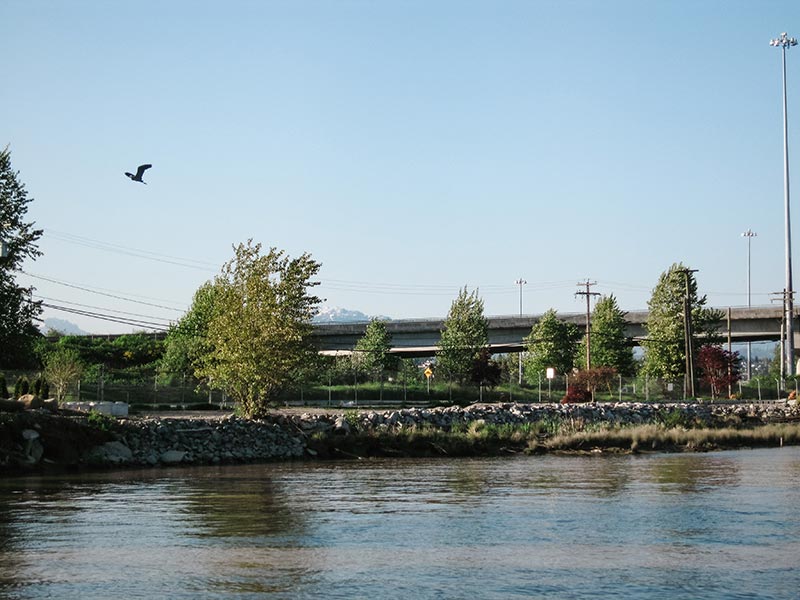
[{"x": 160, "y": 392}]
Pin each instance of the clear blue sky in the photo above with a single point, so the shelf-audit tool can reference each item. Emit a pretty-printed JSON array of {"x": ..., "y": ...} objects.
[{"x": 412, "y": 147}]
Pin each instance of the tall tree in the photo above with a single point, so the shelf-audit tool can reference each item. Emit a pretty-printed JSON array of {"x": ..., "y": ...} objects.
[
  {"x": 18, "y": 310},
  {"x": 372, "y": 350},
  {"x": 186, "y": 344},
  {"x": 610, "y": 347},
  {"x": 551, "y": 343},
  {"x": 465, "y": 334},
  {"x": 258, "y": 335},
  {"x": 665, "y": 352}
]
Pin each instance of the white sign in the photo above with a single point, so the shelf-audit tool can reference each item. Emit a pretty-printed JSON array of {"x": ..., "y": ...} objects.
[{"x": 551, "y": 372}]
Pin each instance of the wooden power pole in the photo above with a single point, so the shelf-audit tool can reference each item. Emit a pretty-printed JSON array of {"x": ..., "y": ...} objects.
[{"x": 588, "y": 284}]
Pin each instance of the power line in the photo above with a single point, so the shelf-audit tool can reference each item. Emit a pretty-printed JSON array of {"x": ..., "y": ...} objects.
[
  {"x": 136, "y": 252},
  {"x": 122, "y": 312},
  {"x": 91, "y": 291},
  {"x": 102, "y": 317}
]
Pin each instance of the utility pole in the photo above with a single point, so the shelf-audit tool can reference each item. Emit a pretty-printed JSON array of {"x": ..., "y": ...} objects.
[
  {"x": 785, "y": 367},
  {"x": 588, "y": 284},
  {"x": 520, "y": 282},
  {"x": 783, "y": 42},
  {"x": 688, "y": 334},
  {"x": 749, "y": 234}
]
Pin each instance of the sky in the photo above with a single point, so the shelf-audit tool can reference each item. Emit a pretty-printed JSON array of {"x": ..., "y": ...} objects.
[{"x": 411, "y": 147}]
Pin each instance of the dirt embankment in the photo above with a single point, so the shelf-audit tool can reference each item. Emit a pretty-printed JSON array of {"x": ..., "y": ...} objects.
[{"x": 38, "y": 438}]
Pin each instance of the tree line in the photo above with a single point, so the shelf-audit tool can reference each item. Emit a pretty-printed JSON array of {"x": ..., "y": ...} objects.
[{"x": 248, "y": 331}]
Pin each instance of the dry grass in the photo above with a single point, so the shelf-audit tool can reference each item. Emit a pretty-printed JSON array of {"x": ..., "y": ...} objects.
[{"x": 658, "y": 437}]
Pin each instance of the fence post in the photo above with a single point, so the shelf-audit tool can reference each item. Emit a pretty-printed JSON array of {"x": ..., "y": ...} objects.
[{"x": 620, "y": 388}]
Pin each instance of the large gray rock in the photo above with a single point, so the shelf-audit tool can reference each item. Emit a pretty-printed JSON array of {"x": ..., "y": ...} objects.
[
  {"x": 31, "y": 402},
  {"x": 171, "y": 457},
  {"x": 114, "y": 453},
  {"x": 341, "y": 425}
]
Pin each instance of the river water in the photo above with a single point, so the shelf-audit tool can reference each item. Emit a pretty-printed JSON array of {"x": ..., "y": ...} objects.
[{"x": 717, "y": 525}]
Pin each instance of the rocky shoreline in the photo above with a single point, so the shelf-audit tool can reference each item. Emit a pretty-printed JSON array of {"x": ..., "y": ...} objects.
[{"x": 36, "y": 440}]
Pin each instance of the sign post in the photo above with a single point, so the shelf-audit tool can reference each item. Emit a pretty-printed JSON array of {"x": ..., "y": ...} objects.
[{"x": 551, "y": 373}]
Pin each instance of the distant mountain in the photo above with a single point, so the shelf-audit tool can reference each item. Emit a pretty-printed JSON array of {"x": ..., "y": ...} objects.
[
  {"x": 329, "y": 314},
  {"x": 62, "y": 326}
]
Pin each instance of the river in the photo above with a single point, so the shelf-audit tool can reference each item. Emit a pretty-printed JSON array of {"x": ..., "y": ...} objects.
[{"x": 720, "y": 525}]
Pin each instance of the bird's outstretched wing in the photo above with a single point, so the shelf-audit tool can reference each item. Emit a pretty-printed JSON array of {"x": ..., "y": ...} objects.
[{"x": 140, "y": 171}]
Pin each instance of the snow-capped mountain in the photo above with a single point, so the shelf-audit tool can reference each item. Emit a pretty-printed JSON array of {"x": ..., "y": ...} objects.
[
  {"x": 333, "y": 314},
  {"x": 62, "y": 326}
]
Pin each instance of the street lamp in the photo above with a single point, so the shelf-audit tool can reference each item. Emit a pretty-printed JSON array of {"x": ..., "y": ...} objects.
[
  {"x": 784, "y": 42},
  {"x": 520, "y": 282},
  {"x": 749, "y": 234}
]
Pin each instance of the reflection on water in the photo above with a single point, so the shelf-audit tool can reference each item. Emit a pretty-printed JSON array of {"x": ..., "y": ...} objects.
[{"x": 720, "y": 525}]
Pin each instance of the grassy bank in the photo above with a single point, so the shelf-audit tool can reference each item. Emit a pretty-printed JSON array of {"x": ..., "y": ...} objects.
[{"x": 480, "y": 439}]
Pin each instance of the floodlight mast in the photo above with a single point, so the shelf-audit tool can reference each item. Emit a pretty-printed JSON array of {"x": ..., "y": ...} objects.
[{"x": 783, "y": 42}]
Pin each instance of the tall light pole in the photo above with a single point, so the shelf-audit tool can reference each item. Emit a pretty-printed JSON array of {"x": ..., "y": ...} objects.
[
  {"x": 520, "y": 282},
  {"x": 784, "y": 42},
  {"x": 749, "y": 234}
]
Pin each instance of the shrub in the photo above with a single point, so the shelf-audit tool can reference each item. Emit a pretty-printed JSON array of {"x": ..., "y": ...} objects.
[
  {"x": 97, "y": 420},
  {"x": 37, "y": 387},
  {"x": 576, "y": 394},
  {"x": 21, "y": 387}
]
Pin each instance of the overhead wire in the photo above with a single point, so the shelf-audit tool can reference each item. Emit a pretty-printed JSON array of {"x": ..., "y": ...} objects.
[
  {"x": 102, "y": 308},
  {"x": 128, "y": 251},
  {"x": 95, "y": 291},
  {"x": 334, "y": 284},
  {"x": 103, "y": 317}
]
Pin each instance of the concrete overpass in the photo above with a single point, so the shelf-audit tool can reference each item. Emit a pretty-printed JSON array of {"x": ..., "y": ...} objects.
[{"x": 420, "y": 337}]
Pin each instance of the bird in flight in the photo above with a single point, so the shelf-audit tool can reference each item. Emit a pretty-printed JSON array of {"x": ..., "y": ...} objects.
[{"x": 139, "y": 172}]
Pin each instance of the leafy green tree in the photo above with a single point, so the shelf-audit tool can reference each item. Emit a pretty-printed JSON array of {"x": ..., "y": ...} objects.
[
  {"x": 465, "y": 334},
  {"x": 371, "y": 352},
  {"x": 775, "y": 365},
  {"x": 186, "y": 344},
  {"x": 610, "y": 347},
  {"x": 665, "y": 352},
  {"x": 18, "y": 311},
  {"x": 260, "y": 326},
  {"x": 63, "y": 367},
  {"x": 551, "y": 343},
  {"x": 130, "y": 358}
]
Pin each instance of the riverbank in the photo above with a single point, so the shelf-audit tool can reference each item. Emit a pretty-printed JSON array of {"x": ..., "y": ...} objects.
[{"x": 40, "y": 440}]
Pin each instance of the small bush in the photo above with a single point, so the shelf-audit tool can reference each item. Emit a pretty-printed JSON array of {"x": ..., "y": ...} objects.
[
  {"x": 576, "y": 394},
  {"x": 37, "y": 387},
  {"x": 100, "y": 421},
  {"x": 22, "y": 386}
]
